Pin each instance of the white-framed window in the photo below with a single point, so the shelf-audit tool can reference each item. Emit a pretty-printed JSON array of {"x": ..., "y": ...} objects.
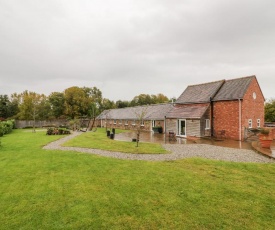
[
  {"x": 114, "y": 121},
  {"x": 133, "y": 122},
  {"x": 126, "y": 122},
  {"x": 142, "y": 123},
  {"x": 250, "y": 123},
  {"x": 258, "y": 123},
  {"x": 207, "y": 123}
]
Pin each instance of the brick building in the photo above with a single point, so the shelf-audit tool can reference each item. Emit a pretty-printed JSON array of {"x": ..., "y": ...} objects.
[
  {"x": 221, "y": 109},
  {"x": 224, "y": 108},
  {"x": 147, "y": 117}
]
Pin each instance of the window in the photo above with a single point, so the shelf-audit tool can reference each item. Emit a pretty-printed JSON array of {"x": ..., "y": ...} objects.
[
  {"x": 258, "y": 123},
  {"x": 120, "y": 122},
  {"x": 250, "y": 123},
  {"x": 134, "y": 122},
  {"x": 114, "y": 121},
  {"x": 126, "y": 122},
  {"x": 207, "y": 123},
  {"x": 142, "y": 123}
]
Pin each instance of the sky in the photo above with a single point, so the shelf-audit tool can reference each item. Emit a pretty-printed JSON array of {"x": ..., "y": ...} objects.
[{"x": 129, "y": 47}]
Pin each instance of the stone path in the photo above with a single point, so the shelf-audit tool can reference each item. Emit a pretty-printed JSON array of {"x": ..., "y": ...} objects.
[{"x": 178, "y": 151}]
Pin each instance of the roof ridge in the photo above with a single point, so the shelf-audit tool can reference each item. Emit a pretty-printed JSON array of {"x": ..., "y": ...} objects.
[
  {"x": 232, "y": 79},
  {"x": 207, "y": 83}
]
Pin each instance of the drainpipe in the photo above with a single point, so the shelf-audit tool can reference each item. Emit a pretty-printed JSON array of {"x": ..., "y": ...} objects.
[
  {"x": 212, "y": 117},
  {"x": 240, "y": 119},
  {"x": 165, "y": 124}
]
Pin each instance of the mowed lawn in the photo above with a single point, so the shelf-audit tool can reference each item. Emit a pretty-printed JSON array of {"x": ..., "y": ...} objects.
[
  {"x": 99, "y": 140},
  {"x": 45, "y": 189}
]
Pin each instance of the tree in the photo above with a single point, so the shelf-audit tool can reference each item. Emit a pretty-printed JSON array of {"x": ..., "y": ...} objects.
[
  {"x": 4, "y": 106},
  {"x": 57, "y": 103},
  {"x": 122, "y": 104},
  {"x": 8, "y": 108},
  {"x": 270, "y": 111},
  {"x": 140, "y": 115},
  {"x": 107, "y": 104},
  {"x": 75, "y": 102},
  {"x": 30, "y": 106},
  {"x": 146, "y": 99},
  {"x": 83, "y": 101}
]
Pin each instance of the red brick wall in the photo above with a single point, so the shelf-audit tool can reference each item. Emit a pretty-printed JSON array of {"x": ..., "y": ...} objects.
[
  {"x": 253, "y": 108},
  {"x": 226, "y": 117},
  {"x": 226, "y": 113}
]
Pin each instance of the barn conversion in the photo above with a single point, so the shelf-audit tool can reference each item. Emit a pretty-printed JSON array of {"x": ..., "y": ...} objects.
[{"x": 222, "y": 108}]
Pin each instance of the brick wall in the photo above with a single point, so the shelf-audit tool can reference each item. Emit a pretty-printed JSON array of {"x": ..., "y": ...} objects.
[
  {"x": 253, "y": 108},
  {"x": 226, "y": 113},
  {"x": 128, "y": 124},
  {"x": 226, "y": 117}
]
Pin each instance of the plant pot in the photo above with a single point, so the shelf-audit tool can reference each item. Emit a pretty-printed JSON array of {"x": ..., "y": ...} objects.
[{"x": 265, "y": 143}]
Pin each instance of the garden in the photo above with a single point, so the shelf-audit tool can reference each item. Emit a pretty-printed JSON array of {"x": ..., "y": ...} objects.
[{"x": 52, "y": 189}]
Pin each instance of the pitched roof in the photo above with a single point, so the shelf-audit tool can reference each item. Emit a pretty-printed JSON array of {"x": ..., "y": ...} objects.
[
  {"x": 152, "y": 112},
  {"x": 233, "y": 89},
  {"x": 191, "y": 112},
  {"x": 199, "y": 93}
]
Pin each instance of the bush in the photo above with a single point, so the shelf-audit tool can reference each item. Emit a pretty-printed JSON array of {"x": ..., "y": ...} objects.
[
  {"x": 6, "y": 127},
  {"x": 57, "y": 131}
]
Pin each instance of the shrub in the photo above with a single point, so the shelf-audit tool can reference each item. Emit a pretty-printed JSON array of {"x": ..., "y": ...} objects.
[
  {"x": 264, "y": 131},
  {"x": 6, "y": 127},
  {"x": 57, "y": 131}
]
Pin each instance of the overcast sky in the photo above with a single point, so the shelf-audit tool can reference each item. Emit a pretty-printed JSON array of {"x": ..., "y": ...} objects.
[{"x": 129, "y": 47}]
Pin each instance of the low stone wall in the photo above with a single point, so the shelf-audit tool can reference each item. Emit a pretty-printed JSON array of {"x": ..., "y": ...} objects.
[{"x": 20, "y": 124}]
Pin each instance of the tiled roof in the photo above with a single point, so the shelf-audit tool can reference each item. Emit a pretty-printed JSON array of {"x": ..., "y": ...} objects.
[
  {"x": 191, "y": 112},
  {"x": 199, "y": 93},
  {"x": 152, "y": 112},
  {"x": 233, "y": 89}
]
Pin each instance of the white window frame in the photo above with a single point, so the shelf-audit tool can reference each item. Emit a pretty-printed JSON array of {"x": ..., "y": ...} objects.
[
  {"x": 142, "y": 123},
  {"x": 258, "y": 123},
  {"x": 207, "y": 124},
  {"x": 250, "y": 124},
  {"x": 126, "y": 122},
  {"x": 114, "y": 121},
  {"x": 133, "y": 122}
]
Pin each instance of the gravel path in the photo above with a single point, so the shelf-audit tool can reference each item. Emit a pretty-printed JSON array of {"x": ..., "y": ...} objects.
[{"x": 177, "y": 152}]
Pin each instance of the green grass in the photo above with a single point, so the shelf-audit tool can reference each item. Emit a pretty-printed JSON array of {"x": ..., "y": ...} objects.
[
  {"x": 44, "y": 189},
  {"x": 99, "y": 140}
]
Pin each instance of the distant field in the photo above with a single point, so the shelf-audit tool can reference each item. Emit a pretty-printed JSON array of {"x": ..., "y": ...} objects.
[{"x": 44, "y": 189}]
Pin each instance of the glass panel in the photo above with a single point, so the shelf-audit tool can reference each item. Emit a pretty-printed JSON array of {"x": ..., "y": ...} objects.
[{"x": 182, "y": 127}]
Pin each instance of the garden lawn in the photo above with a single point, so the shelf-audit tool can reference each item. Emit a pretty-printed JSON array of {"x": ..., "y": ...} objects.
[
  {"x": 45, "y": 189},
  {"x": 99, "y": 140}
]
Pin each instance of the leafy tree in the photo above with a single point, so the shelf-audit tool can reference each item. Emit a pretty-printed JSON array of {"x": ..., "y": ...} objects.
[
  {"x": 107, "y": 104},
  {"x": 8, "y": 108},
  {"x": 30, "y": 106},
  {"x": 122, "y": 104},
  {"x": 4, "y": 106},
  {"x": 142, "y": 99},
  {"x": 57, "y": 104},
  {"x": 270, "y": 111},
  {"x": 44, "y": 108},
  {"x": 75, "y": 102},
  {"x": 160, "y": 98},
  {"x": 146, "y": 99},
  {"x": 82, "y": 101}
]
